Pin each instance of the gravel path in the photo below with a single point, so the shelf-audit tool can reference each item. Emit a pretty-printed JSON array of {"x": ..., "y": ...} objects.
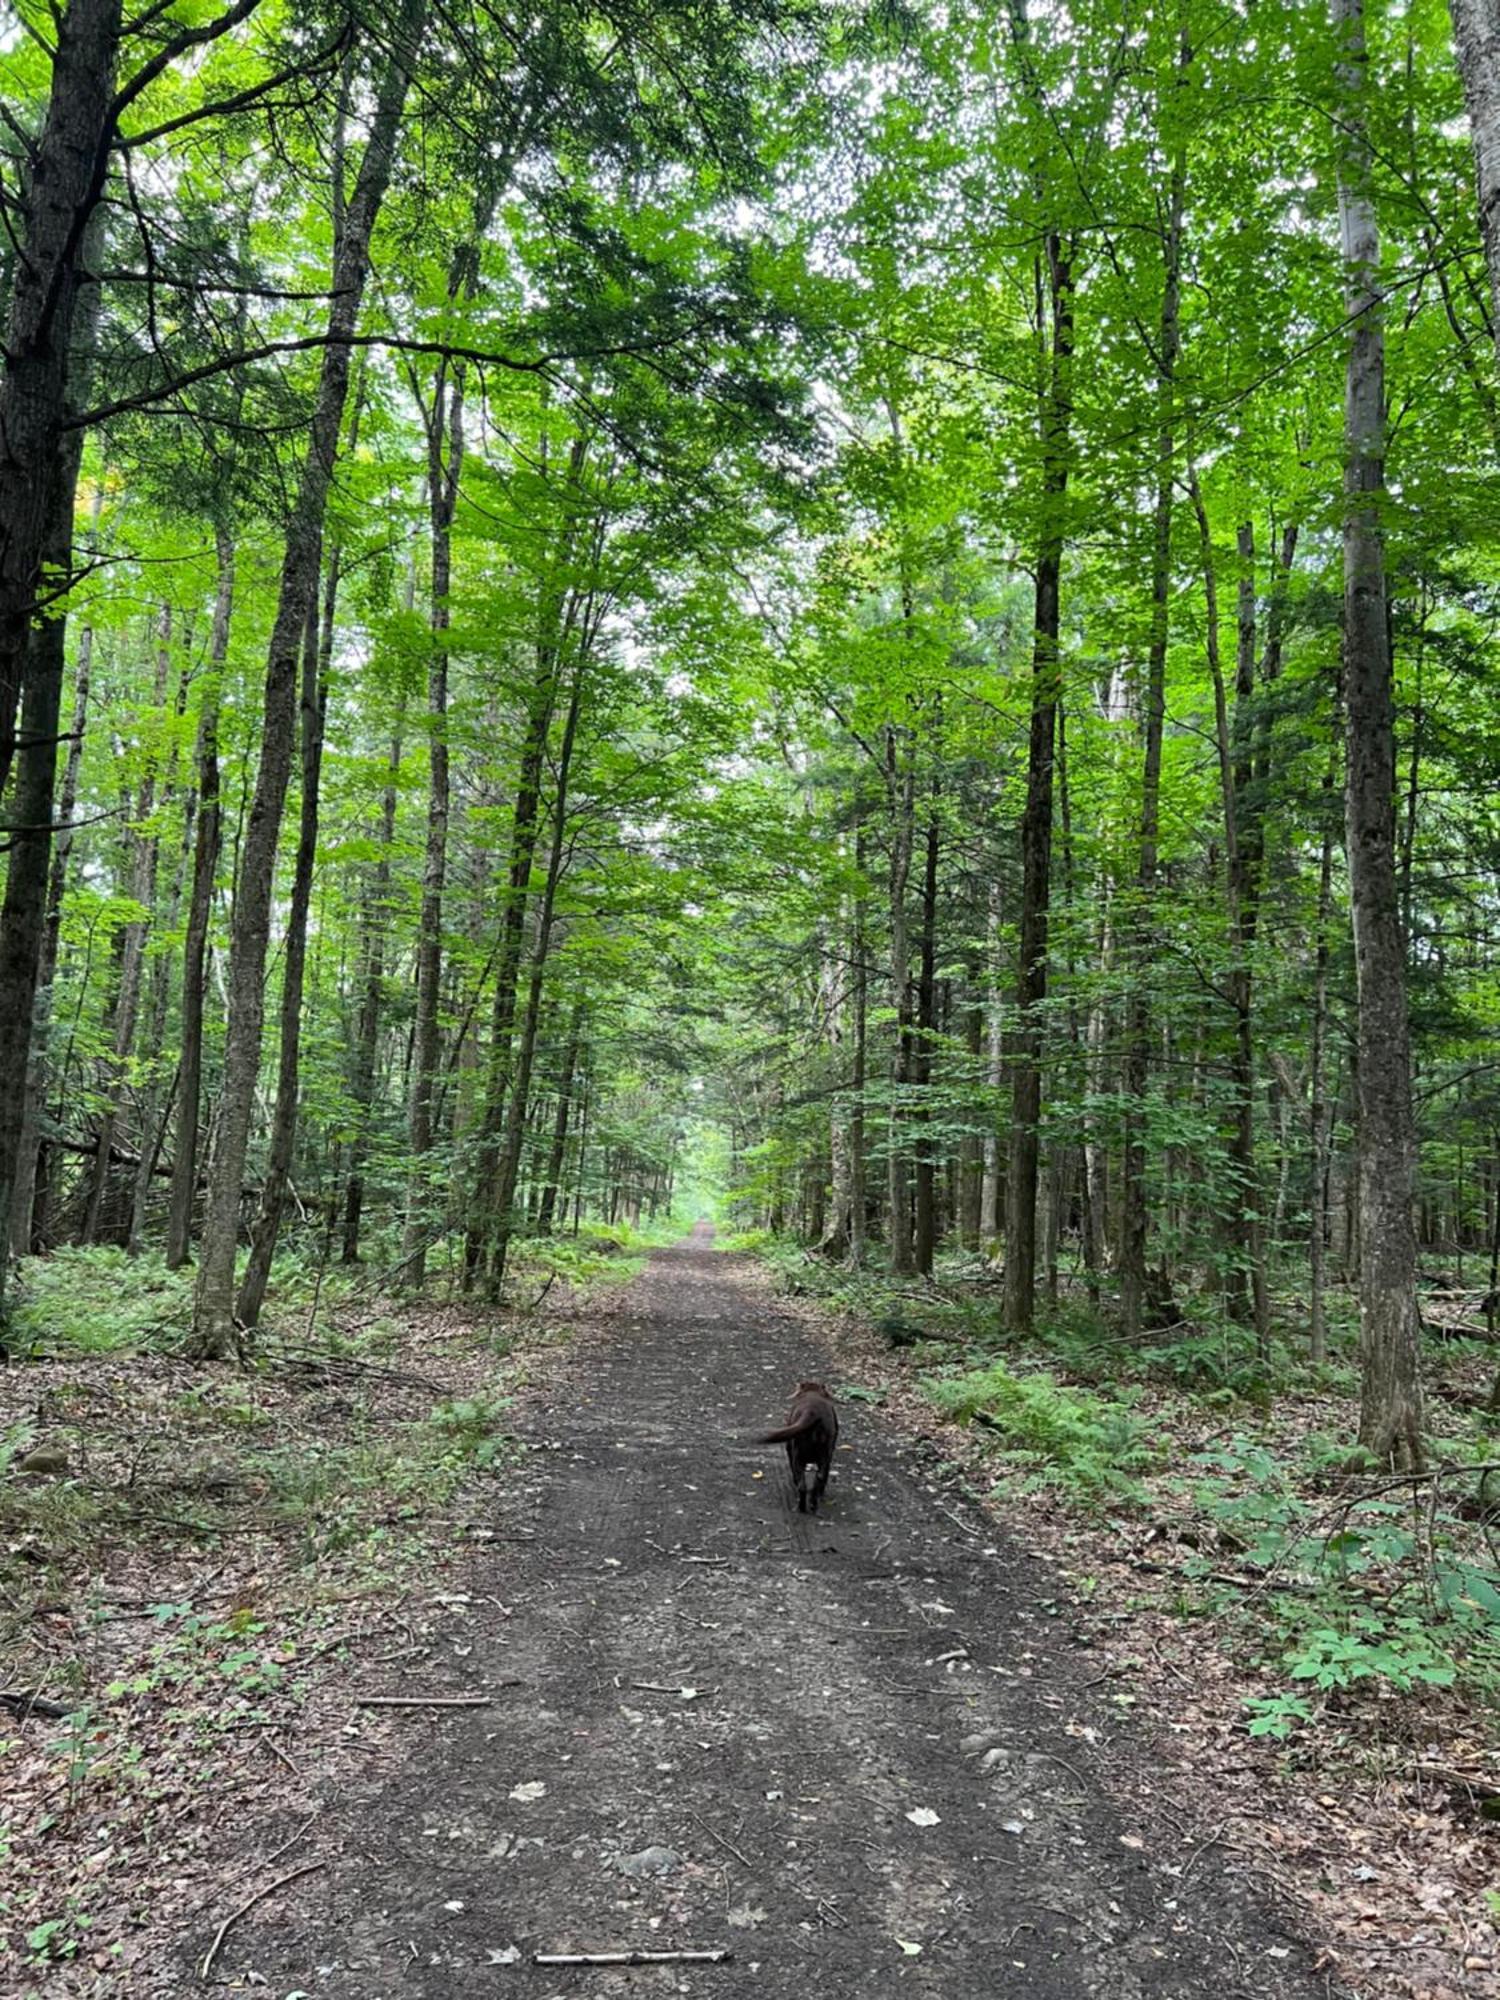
[{"x": 859, "y": 1750}]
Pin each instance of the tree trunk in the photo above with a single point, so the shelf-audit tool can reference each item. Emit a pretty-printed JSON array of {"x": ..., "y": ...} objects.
[
  {"x": 38, "y": 480},
  {"x": 316, "y": 661},
  {"x": 992, "y": 1182},
  {"x": 971, "y": 1147},
  {"x": 367, "y": 1036},
  {"x": 553, "y": 1183},
  {"x": 213, "y": 1314},
  {"x": 1476, "y": 37},
  {"x": 520, "y": 1092},
  {"x": 525, "y": 828},
  {"x": 555, "y": 631},
  {"x": 206, "y": 844},
  {"x": 926, "y": 1216},
  {"x": 1036, "y": 822},
  {"x": 835, "y": 1218},
  {"x": 900, "y": 780},
  {"x": 1391, "y": 1422},
  {"x": 445, "y": 464},
  {"x": 858, "y": 1191},
  {"x": 1244, "y": 1228},
  {"x": 142, "y": 847},
  {"x": 1320, "y": 1105},
  {"x": 39, "y": 466},
  {"x": 1134, "y": 1219},
  {"x": 24, "y": 1217},
  {"x": 160, "y": 1074}
]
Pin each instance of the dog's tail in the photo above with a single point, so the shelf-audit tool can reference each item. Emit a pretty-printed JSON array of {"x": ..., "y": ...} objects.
[{"x": 789, "y": 1431}]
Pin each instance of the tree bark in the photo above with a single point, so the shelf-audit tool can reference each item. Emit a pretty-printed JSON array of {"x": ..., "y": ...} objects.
[
  {"x": 992, "y": 1182},
  {"x": 445, "y": 464},
  {"x": 834, "y": 1222},
  {"x": 1134, "y": 1213},
  {"x": 38, "y": 480},
  {"x": 1476, "y": 38},
  {"x": 24, "y": 1217},
  {"x": 214, "y": 1333},
  {"x": 367, "y": 1033},
  {"x": 1244, "y": 1226},
  {"x": 520, "y": 1091},
  {"x": 39, "y": 463},
  {"x": 547, "y": 1207},
  {"x": 925, "y": 1241},
  {"x": 158, "y": 1072},
  {"x": 525, "y": 830},
  {"x": 1391, "y": 1419},
  {"x": 971, "y": 1149},
  {"x": 900, "y": 780},
  {"x": 1036, "y": 822},
  {"x": 206, "y": 843},
  {"x": 858, "y": 1191},
  {"x": 316, "y": 662},
  {"x": 1320, "y": 1105}
]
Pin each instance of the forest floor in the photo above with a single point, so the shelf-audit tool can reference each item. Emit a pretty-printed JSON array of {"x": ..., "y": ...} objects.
[{"x": 884, "y": 1747}]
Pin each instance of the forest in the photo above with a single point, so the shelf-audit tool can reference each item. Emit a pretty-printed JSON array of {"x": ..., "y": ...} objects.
[{"x": 877, "y": 621}]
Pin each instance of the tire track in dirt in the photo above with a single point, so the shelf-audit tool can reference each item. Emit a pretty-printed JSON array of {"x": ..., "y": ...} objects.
[{"x": 891, "y": 1656}]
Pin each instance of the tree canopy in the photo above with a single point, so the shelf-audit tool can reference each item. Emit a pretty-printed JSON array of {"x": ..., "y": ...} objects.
[{"x": 886, "y": 613}]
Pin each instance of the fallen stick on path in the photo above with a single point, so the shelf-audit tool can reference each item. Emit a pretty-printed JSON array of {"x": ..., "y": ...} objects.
[
  {"x": 424, "y": 1700},
  {"x": 721, "y": 1840},
  {"x": 631, "y": 1957},
  {"x": 308, "y": 1868}
]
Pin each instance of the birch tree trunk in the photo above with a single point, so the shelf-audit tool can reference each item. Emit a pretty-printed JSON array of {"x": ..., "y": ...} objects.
[{"x": 1476, "y": 40}]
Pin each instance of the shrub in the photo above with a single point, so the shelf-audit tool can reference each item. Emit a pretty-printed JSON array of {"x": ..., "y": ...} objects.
[{"x": 1081, "y": 1441}]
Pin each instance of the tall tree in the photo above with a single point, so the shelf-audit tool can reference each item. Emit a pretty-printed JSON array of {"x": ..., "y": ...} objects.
[
  {"x": 213, "y": 1312},
  {"x": 1390, "y": 1424}
]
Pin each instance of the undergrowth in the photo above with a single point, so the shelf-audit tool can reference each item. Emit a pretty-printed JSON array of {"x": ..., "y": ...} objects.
[
  {"x": 1337, "y": 1591},
  {"x": 1088, "y": 1445},
  {"x": 180, "y": 1543}
]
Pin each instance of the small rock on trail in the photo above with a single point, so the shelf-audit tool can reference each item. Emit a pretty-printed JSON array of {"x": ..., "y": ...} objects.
[{"x": 850, "y": 1748}]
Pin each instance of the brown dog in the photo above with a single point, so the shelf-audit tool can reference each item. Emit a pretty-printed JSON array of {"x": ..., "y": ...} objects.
[{"x": 810, "y": 1433}]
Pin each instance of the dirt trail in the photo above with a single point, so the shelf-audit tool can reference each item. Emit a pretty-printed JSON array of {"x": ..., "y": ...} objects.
[{"x": 886, "y": 1658}]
